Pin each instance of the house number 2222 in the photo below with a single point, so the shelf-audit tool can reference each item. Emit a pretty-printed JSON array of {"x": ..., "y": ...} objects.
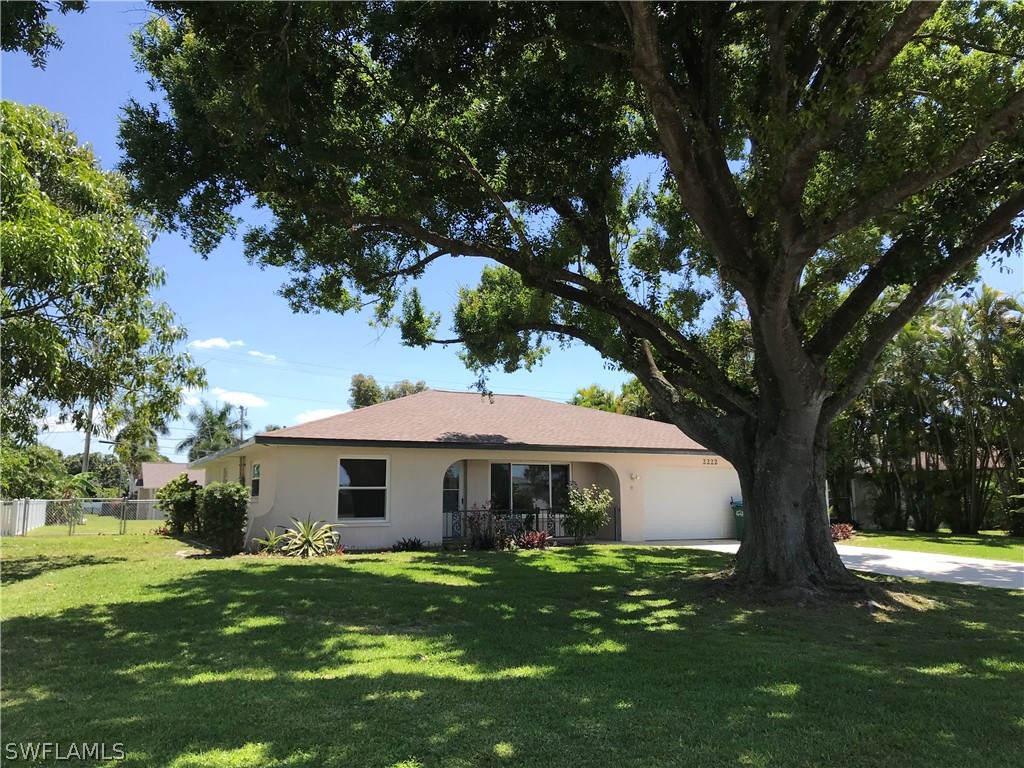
[{"x": 710, "y": 462}]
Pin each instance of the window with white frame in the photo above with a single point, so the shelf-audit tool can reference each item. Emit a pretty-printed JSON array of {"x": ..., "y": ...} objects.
[{"x": 362, "y": 488}]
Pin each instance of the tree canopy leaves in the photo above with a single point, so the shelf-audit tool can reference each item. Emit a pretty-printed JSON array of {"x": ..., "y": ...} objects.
[
  {"x": 80, "y": 328},
  {"x": 739, "y": 203},
  {"x": 364, "y": 390},
  {"x": 23, "y": 27}
]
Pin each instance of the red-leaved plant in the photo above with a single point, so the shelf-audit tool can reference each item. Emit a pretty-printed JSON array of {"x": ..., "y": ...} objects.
[
  {"x": 534, "y": 540},
  {"x": 842, "y": 531}
]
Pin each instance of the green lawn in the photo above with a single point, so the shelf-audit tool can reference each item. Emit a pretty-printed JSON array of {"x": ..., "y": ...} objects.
[
  {"x": 990, "y": 545},
  {"x": 604, "y": 656},
  {"x": 96, "y": 524}
]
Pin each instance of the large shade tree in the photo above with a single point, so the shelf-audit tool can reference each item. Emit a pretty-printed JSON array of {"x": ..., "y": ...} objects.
[
  {"x": 82, "y": 335},
  {"x": 635, "y": 175}
]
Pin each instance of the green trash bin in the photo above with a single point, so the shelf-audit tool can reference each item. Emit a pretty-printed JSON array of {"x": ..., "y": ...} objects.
[{"x": 737, "y": 515}]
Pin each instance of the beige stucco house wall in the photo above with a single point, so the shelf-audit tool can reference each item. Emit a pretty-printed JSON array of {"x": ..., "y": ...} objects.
[{"x": 297, "y": 480}]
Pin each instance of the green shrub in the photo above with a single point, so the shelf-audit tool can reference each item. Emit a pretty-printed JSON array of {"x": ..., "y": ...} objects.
[
  {"x": 588, "y": 511},
  {"x": 179, "y": 500},
  {"x": 224, "y": 515},
  {"x": 309, "y": 539},
  {"x": 412, "y": 544},
  {"x": 271, "y": 544}
]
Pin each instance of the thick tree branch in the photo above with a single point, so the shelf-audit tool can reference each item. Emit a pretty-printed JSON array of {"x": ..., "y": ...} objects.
[
  {"x": 960, "y": 43},
  {"x": 705, "y": 182},
  {"x": 1007, "y": 118},
  {"x": 709, "y": 380},
  {"x": 806, "y": 150},
  {"x": 997, "y": 224},
  {"x": 702, "y": 425}
]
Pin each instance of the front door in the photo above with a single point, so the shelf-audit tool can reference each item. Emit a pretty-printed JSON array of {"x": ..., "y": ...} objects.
[{"x": 453, "y": 494}]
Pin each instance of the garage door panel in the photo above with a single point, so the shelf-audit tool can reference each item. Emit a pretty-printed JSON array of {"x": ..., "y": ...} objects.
[{"x": 689, "y": 502}]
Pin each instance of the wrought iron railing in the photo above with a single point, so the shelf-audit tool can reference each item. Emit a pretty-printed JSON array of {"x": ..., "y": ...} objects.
[{"x": 464, "y": 524}]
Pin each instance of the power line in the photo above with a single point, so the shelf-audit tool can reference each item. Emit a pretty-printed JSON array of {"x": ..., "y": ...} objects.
[{"x": 381, "y": 378}]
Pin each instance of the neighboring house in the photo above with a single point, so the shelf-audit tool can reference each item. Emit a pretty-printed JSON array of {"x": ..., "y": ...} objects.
[
  {"x": 410, "y": 467},
  {"x": 156, "y": 474}
]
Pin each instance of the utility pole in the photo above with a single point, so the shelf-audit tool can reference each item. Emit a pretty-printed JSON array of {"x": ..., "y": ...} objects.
[{"x": 241, "y": 424}]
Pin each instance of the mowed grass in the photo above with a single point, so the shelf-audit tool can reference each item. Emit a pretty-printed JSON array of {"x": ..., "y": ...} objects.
[
  {"x": 95, "y": 525},
  {"x": 988, "y": 545},
  {"x": 604, "y": 656}
]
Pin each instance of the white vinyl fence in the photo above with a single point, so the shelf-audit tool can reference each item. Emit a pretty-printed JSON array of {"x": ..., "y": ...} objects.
[
  {"x": 20, "y": 516},
  {"x": 77, "y": 516}
]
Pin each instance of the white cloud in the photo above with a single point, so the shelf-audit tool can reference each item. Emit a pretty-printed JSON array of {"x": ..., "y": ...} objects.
[
  {"x": 316, "y": 413},
  {"x": 248, "y": 399},
  {"x": 217, "y": 342},
  {"x": 262, "y": 355}
]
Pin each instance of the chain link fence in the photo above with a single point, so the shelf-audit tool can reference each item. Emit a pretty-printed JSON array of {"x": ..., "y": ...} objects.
[{"x": 75, "y": 517}]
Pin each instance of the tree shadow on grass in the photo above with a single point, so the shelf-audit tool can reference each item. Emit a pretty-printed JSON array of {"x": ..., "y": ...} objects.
[
  {"x": 572, "y": 657},
  {"x": 20, "y": 569}
]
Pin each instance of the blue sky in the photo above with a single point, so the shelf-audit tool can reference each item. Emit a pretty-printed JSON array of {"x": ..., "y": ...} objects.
[{"x": 285, "y": 368}]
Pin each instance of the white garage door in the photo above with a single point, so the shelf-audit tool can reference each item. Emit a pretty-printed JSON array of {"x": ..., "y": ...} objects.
[{"x": 689, "y": 503}]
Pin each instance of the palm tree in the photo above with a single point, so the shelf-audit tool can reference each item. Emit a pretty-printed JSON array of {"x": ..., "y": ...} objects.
[
  {"x": 136, "y": 442},
  {"x": 214, "y": 430},
  {"x": 595, "y": 396}
]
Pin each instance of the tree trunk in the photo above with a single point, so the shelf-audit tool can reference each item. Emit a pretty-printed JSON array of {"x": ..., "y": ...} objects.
[{"x": 787, "y": 545}]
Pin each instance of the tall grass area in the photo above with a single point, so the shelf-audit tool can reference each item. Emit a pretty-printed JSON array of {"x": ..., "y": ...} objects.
[{"x": 603, "y": 656}]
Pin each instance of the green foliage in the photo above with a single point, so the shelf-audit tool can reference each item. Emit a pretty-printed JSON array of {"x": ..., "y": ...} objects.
[
  {"x": 740, "y": 206},
  {"x": 632, "y": 400},
  {"x": 31, "y": 472},
  {"x": 23, "y": 27},
  {"x": 80, "y": 327},
  {"x": 364, "y": 390},
  {"x": 587, "y": 512},
  {"x": 271, "y": 543},
  {"x": 309, "y": 539},
  {"x": 180, "y": 500},
  {"x": 213, "y": 430},
  {"x": 1015, "y": 514},
  {"x": 224, "y": 516},
  {"x": 941, "y": 421},
  {"x": 106, "y": 468},
  {"x": 595, "y": 396},
  {"x": 412, "y": 544}
]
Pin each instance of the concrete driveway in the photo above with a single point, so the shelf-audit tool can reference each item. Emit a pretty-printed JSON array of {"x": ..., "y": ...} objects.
[{"x": 894, "y": 562}]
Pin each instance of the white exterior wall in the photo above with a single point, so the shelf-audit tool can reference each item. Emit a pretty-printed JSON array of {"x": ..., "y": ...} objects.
[{"x": 297, "y": 481}]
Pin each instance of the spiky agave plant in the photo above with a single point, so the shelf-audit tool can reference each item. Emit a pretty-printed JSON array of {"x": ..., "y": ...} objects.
[
  {"x": 272, "y": 543},
  {"x": 309, "y": 539}
]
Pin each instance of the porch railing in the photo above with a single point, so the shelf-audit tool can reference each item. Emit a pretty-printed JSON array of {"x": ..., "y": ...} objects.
[{"x": 463, "y": 524}]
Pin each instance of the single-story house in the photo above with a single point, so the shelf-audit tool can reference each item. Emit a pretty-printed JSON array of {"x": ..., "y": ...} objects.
[
  {"x": 412, "y": 467},
  {"x": 156, "y": 474}
]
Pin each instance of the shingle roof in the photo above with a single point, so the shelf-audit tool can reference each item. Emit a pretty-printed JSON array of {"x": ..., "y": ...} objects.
[
  {"x": 438, "y": 418},
  {"x": 156, "y": 474}
]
